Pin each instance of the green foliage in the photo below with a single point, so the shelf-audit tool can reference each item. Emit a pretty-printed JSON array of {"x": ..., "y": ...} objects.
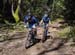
[
  {"x": 57, "y": 8},
  {"x": 38, "y": 7},
  {"x": 68, "y": 32},
  {"x": 71, "y": 34},
  {"x": 16, "y": 13},
  {"x": 69, "y": 13},
  {"x": 64, "y": 32}
]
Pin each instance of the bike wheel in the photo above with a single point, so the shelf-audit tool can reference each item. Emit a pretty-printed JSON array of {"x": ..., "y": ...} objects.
[
  {"x": 44, "y": 36},
  {"x": 28, "y": 41}
]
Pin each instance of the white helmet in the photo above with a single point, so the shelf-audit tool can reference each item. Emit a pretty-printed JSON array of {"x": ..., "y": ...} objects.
[{"x": 45, "y": 15}]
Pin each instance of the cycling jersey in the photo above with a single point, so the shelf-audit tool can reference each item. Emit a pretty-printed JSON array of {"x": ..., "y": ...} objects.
[
  {"x": 46, "y": 19},
  {"x": 32, "y": 22}
]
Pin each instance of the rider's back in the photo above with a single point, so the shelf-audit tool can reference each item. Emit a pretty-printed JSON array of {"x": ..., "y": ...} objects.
[
  {"x": 32, "y": 19},
  {"x": 46, "y": 19}
]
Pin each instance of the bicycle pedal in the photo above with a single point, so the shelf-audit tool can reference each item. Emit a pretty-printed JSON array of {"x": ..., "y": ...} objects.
[
  {"x": 26, "y": 47},
  {"x": 43, "y": 41}
]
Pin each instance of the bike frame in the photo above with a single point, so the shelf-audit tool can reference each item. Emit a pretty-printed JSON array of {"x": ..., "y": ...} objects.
[
  {"x": 30, "y": 39},
  {"x": 45, "y": 33}
]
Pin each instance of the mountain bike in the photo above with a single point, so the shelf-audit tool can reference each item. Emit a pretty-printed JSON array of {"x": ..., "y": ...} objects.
[
  {"x": 31, "y": 38},
  {"x": 45, "y": 32}
]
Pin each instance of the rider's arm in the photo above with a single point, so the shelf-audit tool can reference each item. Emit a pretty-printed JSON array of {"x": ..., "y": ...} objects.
[
  {"x": 41, "y": 22},
  {"x": 49, "y": 20},
  {"x": 25, "y": 21}
]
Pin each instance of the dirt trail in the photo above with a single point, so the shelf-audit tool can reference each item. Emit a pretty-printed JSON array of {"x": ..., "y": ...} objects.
[{"x": 50, "y": 47}]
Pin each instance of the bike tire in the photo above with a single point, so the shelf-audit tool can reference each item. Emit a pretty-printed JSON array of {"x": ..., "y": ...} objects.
[
  {"x": 28, "y": 41},
  {"x": 44, "y": 36}
]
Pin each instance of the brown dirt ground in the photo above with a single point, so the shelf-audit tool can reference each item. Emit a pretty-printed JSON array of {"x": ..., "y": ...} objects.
[{"x": 52, "y": 46}]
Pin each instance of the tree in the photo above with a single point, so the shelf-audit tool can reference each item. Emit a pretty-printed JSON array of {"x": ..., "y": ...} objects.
[
  {"x": 69, "y": 13},
  {"x": 7, "y": 12},
  {"x": 15, "y": 13}
]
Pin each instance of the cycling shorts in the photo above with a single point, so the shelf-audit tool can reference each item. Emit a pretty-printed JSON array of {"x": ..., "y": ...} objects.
[
  {"x": 31, "y": 26},
  {"x": 45, "y": 25}
]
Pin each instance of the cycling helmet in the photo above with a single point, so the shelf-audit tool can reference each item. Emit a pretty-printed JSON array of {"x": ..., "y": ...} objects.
[{"x": 45, "y": 15}]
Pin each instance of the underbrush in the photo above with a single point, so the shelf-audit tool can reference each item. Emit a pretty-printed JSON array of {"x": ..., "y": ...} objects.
[
  {"x": 68, "y": 32},
  {"x": 7, "y": 30}
]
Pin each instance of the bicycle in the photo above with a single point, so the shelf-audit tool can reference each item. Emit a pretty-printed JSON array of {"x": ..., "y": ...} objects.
[
  {"x": 45, "y": 33},
  {"x": 30, "y": 38}
]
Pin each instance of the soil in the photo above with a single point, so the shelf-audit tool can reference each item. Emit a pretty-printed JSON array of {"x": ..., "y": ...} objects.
[{"x": 52, "y": 46}]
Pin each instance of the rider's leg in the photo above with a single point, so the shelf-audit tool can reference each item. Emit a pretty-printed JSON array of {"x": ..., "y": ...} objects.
[
  {"x": 46, "y": 28},
  {"x": 34, "y": 29},
  {"x": 45, "y": 32},
  {"x": 30, "y": 32},
  {"x": 30, "y": 27}
]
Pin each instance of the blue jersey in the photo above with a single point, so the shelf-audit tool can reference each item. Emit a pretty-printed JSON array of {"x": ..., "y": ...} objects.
[
  {"x": 33, "y": 20},
  {"x": 46, "y": 19}
]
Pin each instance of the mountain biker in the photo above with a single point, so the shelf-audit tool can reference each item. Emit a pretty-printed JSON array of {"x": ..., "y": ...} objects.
[
  {"x": 31, "y": 21},
  {"x": 45, "y": 20}
]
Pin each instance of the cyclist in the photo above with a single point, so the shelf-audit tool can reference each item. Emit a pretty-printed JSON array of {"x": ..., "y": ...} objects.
[
  {"x": 45, "y": 20},
  {"x": 31, "y": 21}
]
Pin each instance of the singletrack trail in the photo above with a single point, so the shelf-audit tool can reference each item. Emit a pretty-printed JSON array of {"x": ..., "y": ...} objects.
[{"x": 52, "y": 46}]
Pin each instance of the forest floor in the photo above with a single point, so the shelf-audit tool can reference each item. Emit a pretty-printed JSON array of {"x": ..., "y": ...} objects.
[{"x": 54, "y": 45}]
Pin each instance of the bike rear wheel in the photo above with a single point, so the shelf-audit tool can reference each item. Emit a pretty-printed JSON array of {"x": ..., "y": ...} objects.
[
  {"x": 44, "y": 35},
  {"x": 28, "y": 41}
]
